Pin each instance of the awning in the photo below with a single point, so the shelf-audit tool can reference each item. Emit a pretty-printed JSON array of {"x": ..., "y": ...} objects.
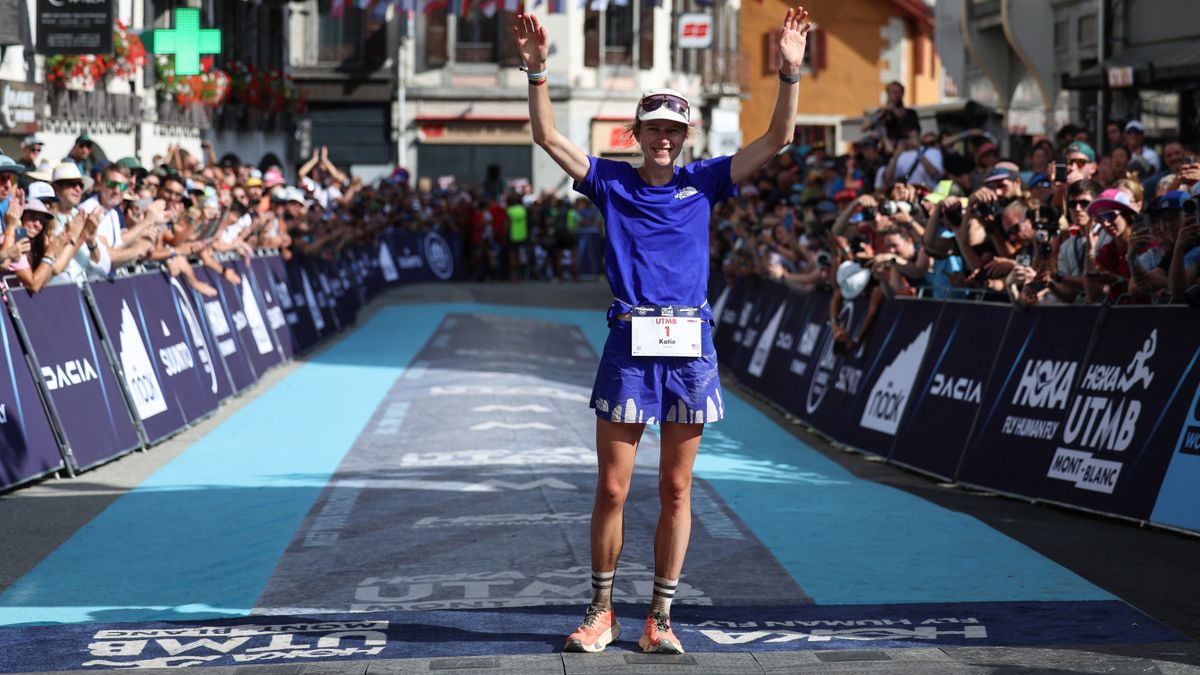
[{"x": 1162, "y": 64}]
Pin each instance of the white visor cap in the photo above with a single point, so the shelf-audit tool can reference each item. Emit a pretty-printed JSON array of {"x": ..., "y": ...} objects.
[{"x": 664, "y": 111}]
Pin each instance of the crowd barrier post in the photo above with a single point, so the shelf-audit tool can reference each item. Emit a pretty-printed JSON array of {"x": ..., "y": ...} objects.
[
  {"x": 47, "y": 401},
  {"x": 114, "y": 364}
]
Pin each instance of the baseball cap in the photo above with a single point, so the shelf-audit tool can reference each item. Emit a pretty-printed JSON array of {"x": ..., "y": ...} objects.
[
  {"x": 8, "y": 165},
  {"x": 846, "y": 195},
  {"x": 253, "y": 182},
  {"x": 272, "y": 178},
  {"x": 84, "y": 138},
  {"x": 131, "y": 164},
  {"x": 986, "y": 148},
  {"x": 1112, "y": 200},
  {"x": 1001, "y": 173},
  {"x": 32, "y": 139},
  {"x": 40, "y": 190},
  {"x": 1134, "y": 126},
  {"x": 1040, "y": 180},
  {"x": 292, "y": 194},
  {"x": 37, "y": 206},
  {"x": 1083, "y": 149},
  {"x": 1171, "y": 201},
  {"x": 852, "y": 279},
  {"x": 663, "y": 104}
]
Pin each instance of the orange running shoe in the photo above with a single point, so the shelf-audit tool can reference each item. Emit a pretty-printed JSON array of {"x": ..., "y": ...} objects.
[
  {"x": 599, "y": 628},
  {"x": 658, "y": 638}
]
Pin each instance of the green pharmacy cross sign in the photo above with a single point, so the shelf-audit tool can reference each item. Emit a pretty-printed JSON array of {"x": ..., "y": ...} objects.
[{"x": 187, "y": 41}]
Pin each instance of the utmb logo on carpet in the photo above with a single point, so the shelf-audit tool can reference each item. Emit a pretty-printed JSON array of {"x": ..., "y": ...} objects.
[{"x": 205, "y": 645}]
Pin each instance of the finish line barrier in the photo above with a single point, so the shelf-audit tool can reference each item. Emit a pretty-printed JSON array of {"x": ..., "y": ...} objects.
[
  {"x": 1091, "y": 407},
  {"x": 95, "y": 371}
]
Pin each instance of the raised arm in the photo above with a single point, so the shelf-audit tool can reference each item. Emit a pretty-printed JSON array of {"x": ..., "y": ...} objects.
[
  {"x": 534, "y": 46},
  {"x": 792, "y": 39}
]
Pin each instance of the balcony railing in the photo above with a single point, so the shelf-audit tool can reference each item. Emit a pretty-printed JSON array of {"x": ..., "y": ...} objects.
[{"x": 69, "y": 105}]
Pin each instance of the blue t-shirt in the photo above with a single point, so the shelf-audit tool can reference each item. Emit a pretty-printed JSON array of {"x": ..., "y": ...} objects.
[{"x": 656, "y": 243}]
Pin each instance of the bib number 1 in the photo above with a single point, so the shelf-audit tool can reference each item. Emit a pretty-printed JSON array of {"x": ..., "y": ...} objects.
[{"x": 657, "y": 335}]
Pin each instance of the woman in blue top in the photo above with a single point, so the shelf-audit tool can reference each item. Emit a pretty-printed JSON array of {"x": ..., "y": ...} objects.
[{"x": 659, "y": 364}]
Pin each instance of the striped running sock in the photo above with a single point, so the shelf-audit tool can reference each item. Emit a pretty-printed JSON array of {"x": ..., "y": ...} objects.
[
  {"x": 602, "y": 588},
  {"x": 664, "y": 593}
]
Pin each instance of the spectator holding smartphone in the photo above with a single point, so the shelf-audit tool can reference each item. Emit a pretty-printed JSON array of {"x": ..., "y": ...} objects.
[{"x": 1106, "y": 273}]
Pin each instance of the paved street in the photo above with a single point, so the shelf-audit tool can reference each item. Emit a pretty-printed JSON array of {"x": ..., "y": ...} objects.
[{"x": 415, "y": 497}]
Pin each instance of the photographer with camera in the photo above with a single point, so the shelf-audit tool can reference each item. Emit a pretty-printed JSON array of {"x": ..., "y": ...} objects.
[
  {"x": 893, "y": 122},
  {"x": 1184, "y": 270},
  {"x": 940, "y": 243},
  {"x": 1035, "y": 264}
]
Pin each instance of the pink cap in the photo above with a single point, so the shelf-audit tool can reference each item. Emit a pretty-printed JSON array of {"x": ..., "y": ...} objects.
[
  {"x": 272, "y": 178},
  {"x": 1112, "y": 200}
]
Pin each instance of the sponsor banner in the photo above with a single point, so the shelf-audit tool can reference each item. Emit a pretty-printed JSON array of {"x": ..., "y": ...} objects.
[
  {"x": 1124, "y": 421},
  {"x": 81, "y": 382},
  {"x": 900, "y": 343},
  {"x": 161, "y": 366},
  {"x": 938, "y": 421},
  {"x": 784, "y": 369},
  {"x": 836, "y": 379},
  {"x": 222, "y": 331},
  {"x": 292, "y": 301},
  {"x": 1178, "y": 503},
  {"x": 753, "y": 345},
  {"x": 271, "y": 298},
  {"x": 1021, "y": 438},
  {"x": 254, "y": 336},
  {"x": 27, "y": 445},
  {"x": 734, "y": 310}
]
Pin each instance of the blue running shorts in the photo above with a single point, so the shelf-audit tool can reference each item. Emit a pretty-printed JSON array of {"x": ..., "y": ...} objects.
[{"x": 656, "y": 389}]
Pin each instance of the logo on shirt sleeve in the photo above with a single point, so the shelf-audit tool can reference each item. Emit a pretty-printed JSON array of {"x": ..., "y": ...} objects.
[{"x": 686, "y": 192}]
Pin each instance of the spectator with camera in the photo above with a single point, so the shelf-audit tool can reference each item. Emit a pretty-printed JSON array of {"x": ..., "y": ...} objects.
[
  {"x": 1106, "y": 271},
  {"x": 917, "y": 161},
  {"x": 893, "y": 122}
]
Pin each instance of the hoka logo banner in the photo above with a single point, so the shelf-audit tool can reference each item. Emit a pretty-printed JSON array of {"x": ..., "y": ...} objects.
[
  {"x": 254, "y": 317},
  {"x": 387, "y": 264},
  {"x": 1045, "y": 384},
  {"x": 763, "y": 349}
]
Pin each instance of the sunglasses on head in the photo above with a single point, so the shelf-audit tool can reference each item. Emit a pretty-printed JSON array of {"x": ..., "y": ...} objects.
[{"x": 673, "y": 103}]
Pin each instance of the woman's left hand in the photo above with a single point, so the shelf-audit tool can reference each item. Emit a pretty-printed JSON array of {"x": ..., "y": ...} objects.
[{"x": 793, "y": 38}]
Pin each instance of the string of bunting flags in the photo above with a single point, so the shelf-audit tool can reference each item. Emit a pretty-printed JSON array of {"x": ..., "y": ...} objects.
[{"x": 378, "y": 9}]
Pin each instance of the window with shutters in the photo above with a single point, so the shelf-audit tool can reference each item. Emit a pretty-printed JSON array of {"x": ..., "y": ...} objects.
[
  {"x": 352, "y": 39},
  {"x": 618, "y": 34},
  {"x": 591, "y": 38},
  {"x": 436, "y": 39},
  {"x": 475, "y": 38}
]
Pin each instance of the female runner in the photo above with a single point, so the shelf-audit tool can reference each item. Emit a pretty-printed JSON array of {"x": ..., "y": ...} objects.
[{"x": 656, "y": 260}]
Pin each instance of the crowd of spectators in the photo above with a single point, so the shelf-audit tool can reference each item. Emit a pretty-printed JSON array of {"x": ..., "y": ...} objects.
[
  {"x": 947, "y": 216},
  {"x": 82, "y": 218}
]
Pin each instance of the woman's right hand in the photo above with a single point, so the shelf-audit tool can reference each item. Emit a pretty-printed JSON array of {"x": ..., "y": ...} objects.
[{"x": 532, "y": 42}]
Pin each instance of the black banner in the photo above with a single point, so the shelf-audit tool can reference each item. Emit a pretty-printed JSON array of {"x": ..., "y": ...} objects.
[
  {"x": 765, "y": 316},
  {"x": 172, "y": 379},
  {"x": 785, "y": 369},
  {"x": 836, "y": 378},
  {"x": 1029, "y": 398},
  {"x": 27, "y": 445},
  {"x": 255, "y": 339},
  {"x": 936, "y": 426},
  {"x": 260, "y": 278},
  {"x": 74, "y": 27},
  {"x": 899, "y": 345},
  {"x": 222, "y": 331},
  {"x": 93, "y": 412}
]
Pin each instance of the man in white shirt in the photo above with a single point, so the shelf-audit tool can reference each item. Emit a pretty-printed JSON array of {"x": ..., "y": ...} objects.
[
  {"x": 122, "y": 250},
  {"x": 915, "y": 163},
  {"x": 89, "y": 259}
]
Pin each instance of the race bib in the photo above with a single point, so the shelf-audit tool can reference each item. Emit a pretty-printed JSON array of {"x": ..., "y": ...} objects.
[{"x": 666, "y": 331}]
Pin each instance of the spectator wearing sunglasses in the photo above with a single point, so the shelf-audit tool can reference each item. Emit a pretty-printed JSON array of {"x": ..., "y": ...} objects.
[
  {"x": 124, "y": 247},
  {"x": 84, "y": 257},
  {"x": 656, "y": 218},
  {"x": 1106, "y": 273}
]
